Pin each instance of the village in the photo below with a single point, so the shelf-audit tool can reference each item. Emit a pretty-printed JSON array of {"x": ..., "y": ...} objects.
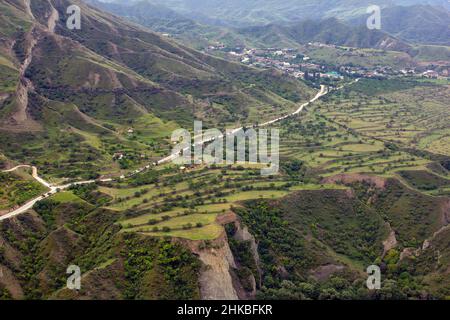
[{"x": 298, "y": 64}]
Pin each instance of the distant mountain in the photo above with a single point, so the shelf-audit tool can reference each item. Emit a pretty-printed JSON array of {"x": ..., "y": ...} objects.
[
  {"x": 199, "y": 23},
  {"x": 164, "y": 20},
  {"x": 421, "y": 24},
  {"x": 328, "y": 31},
  {"x": 257, "y": 12},
  {"x": 157, "y": 17},
  {"x": 331, "y": 30}
]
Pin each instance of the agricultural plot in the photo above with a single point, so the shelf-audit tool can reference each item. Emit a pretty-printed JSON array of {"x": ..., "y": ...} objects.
[
  {"x": 65, "y": 197},
  {"x": 403, "y": 112},
  {"x": 369, "y": 128},
  {"x": 328, "y": 147},
  {"x": 17, "y": 188},
  {"x": 186, "y": 204},
  {"x": 358, "y": 57},
  {"x": 437, "y": 142}
]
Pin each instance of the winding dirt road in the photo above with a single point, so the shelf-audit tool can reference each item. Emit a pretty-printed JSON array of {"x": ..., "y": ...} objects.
[
  {"x": 54, "y": 188},
  {"x": 323, "y": 91}
]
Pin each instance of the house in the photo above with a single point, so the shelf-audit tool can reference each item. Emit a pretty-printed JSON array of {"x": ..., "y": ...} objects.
[
  {"x": 333, "y": 75},
  {"x": 118, "y": 156},
  {"x": 430, "y": 74},
  {"x": 299, "y": 74}
]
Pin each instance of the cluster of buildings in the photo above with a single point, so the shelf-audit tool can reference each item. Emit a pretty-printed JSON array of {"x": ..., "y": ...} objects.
[
  {"x": 294, "y": 63},
  {"x": 384, "y": 72},
  {"x": 287, "y": 60}
]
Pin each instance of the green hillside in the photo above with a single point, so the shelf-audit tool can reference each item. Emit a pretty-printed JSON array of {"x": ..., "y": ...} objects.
[
  {"x": 86, "y": 115},
  {"x": 84, "y": 90}
]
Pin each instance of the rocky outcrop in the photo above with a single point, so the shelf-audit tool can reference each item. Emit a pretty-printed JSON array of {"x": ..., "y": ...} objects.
[
  {"x": 215, "y": 279},
  {"x": 53, "y": 18},
  {"x": 219, "y": 277},
  {"x": 391, "y": 240},
  {"x": 20, "y": 119},
  {"x": 216, "y": 282}
]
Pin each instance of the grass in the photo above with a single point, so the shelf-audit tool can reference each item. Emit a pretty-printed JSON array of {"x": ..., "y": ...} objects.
[
  {"x": 326, "y": 145},
  {"x": 106, "y": 264},
  {"x": 318, "y": 187},
  {"x": 17, "y": 189},
  {"x": 362, "y": 148},
  {"x": 154, "y": 194},
  {"x": 6, "y": 62},
  {"x": 438, "y": 142},
  {"x": 124, "y": 192},
  {"x": 432, "y": 53},
  {"x": 335, "y": 136},
  {"x": 257, "y": 194},
  {"x": 66, "y": 196},
  {"x": 143, "y": 219},
  {"x": 178, "y": 222},
  {"x": 8, "y": 77},
  {"x": 90, "y": 138},
  {"x": 209, "y": 232}
]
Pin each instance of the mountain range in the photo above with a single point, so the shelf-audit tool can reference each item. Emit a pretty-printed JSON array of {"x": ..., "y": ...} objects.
[
  {"x": 419, "y": 24},
  {"x": 234, "y": 13},
  {"x": 404, "y": 23}
]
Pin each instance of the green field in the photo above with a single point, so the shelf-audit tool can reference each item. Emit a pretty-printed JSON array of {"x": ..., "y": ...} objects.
[{"x": 17, "y": 188}]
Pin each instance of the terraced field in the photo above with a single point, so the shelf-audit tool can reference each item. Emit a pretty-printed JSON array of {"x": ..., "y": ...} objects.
[
  {"x": 370, "y": 128},
  {"x": 168, "y": 201},
  {"x": 329, "y": 148},
  {"x": 412, "y": 113}
]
